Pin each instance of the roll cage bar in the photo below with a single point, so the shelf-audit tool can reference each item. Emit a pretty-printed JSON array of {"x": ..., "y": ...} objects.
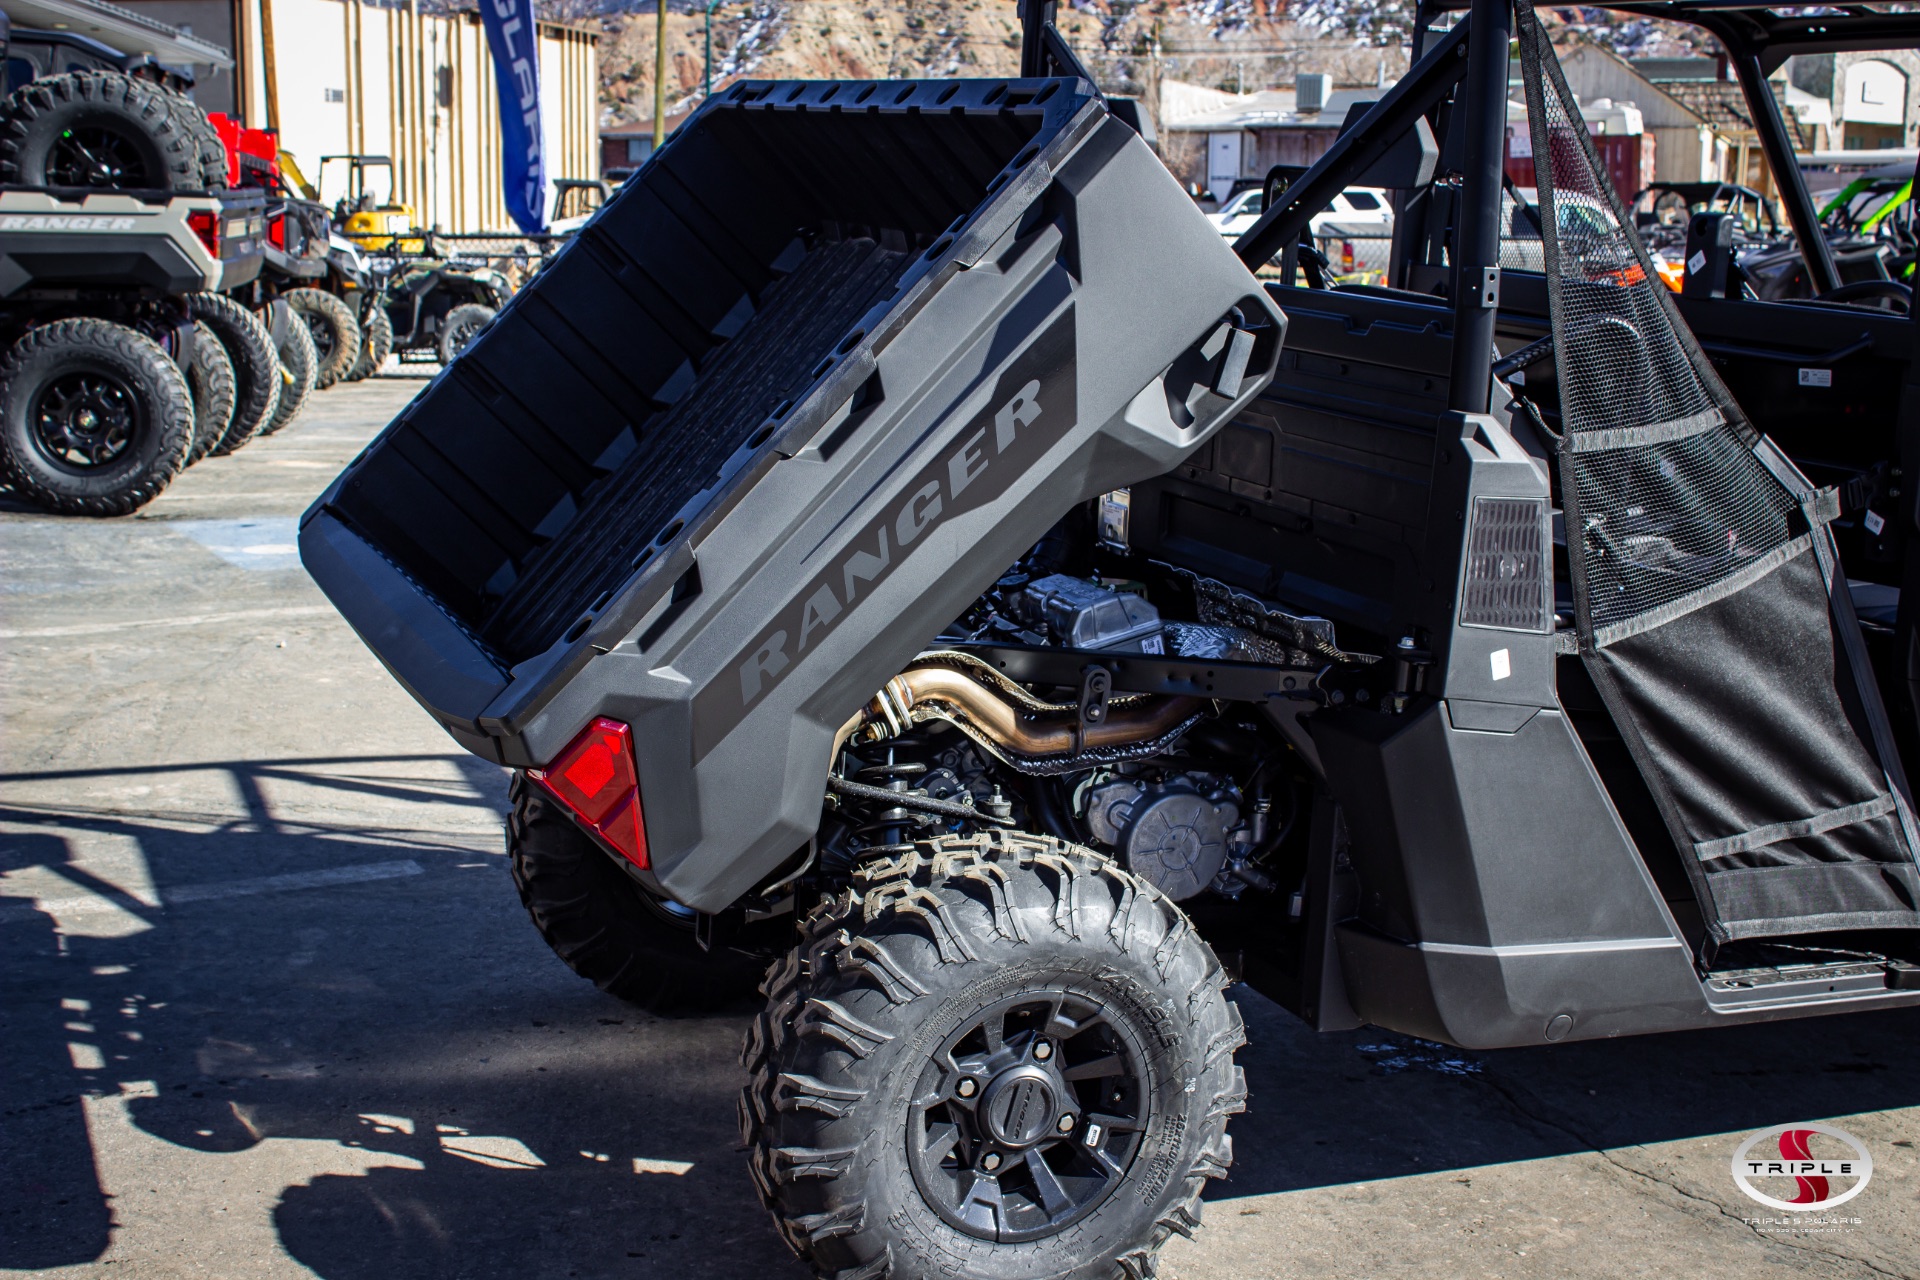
[{"x": 1757, "y": 41}]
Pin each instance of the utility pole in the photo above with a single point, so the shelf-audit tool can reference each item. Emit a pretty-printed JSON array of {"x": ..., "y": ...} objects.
[
  {"x": 1153, "y": 83},
  {"x": 660, "y": 76},
  {"x": 707, "y": 91},
  {"x": 267, "y": 52}
]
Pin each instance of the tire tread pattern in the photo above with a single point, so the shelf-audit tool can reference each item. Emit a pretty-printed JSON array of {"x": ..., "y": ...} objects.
[
  {"x": 256, "y": 369},
  {"x": 210, "y": 378},
  {"x": 297, "y": 362},
  {"x": 591, "y": 914},
  {"x": 376, "y": 341},
  {"x": 869, "y": 954},
  {"x": 346, "y": 332},
  {"x": 29, "y": 122},
  {"x": 140, "y": 359}
]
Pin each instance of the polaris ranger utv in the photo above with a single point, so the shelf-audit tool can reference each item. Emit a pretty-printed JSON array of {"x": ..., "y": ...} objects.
[{"x": 965, "y": 584}]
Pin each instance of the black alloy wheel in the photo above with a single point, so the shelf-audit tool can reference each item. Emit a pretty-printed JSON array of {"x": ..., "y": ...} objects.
[
  {"x": 322, "y": 334},
  {"x": 1029, "y": 1117},
  {"x": 84, "y": 420},
  {"x": 95, "y": 156},
  {"x": 461, "y": 326}
]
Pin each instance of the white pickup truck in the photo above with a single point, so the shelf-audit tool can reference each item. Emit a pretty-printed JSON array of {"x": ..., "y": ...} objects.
[{"x": 1356, "y": 207}]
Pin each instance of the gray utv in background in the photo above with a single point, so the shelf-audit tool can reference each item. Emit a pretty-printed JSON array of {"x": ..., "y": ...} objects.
[{"x": 966, "y": 599}]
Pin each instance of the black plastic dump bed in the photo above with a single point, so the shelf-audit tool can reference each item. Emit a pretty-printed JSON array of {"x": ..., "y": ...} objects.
[
  {"x": 828, "y": 363},
  {"x": 708, "y": 295}
]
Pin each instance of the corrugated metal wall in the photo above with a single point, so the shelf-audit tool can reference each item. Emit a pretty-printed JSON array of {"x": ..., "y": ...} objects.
[{"x": 350, "y": 76}]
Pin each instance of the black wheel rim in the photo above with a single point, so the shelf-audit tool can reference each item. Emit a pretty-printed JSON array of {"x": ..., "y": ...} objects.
[
  {"x": 96, "y": 157},
  {"x": 322, "y": 334},
  {"x": 1028, "y": 1117},
  {"x": 85, "y": 420},
  {"x": 463, "y": 333}
]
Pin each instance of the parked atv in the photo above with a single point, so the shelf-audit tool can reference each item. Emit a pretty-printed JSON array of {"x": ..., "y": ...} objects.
[
  {"x": 435, "y": 307},
  {"x": 1007, "y": 618}
]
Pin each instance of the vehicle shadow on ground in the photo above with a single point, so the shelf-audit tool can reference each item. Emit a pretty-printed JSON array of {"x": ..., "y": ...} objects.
[
  {"x": 405, "y": 1082},
  {"x": 397, "y": 1069}
]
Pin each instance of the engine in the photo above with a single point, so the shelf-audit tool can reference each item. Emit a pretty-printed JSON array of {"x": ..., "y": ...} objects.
[{"x": 1179, "y": 789}]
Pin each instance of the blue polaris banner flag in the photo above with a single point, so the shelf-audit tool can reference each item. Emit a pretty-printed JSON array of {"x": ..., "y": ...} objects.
[{"x": 514, "y": 37}]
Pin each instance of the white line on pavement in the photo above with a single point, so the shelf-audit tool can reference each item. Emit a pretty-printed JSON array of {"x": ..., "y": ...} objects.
[
  {"x": 188, "y": 620},
  {"x": 93, "y": 903}
]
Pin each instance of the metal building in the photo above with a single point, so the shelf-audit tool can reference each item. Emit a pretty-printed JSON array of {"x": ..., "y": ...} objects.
[{"x": 358, "y": 76}]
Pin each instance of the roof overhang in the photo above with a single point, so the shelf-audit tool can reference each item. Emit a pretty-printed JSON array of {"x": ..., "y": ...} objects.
[{"x": 123, "y": 29}]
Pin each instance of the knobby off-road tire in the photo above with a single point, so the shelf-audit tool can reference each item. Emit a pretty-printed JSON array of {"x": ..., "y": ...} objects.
[
  {"x": 376, "y": 341},
  {"x": 213, "y": 152},
  {"x": 102, "y": 129},
  {"x": 879, "y": 1023},
  {"x": 297, "y": 360},
  {"x": 606, "y": 927},
  {"x": 256, "y": 367},
  {"x": 462, "y": 325},
  {"x": 95, "y": 419},
  {"x": 210, "y": 378},
  {"x": 334, "y": 331}
]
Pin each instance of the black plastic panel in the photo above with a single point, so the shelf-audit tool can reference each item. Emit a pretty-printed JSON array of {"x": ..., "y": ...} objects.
[
  {"x": 1317, "y": 494},
  {"x": 722, "y": 282}
]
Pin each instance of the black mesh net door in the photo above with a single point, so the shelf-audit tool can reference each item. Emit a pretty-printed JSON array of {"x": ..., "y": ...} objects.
[{"x": 1711, "y": 608}]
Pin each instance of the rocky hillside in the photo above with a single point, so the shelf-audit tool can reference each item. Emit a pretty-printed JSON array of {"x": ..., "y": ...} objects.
[{"x": 1127, "y": 43}]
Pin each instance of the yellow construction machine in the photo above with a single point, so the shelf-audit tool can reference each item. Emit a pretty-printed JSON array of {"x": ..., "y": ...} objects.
[{"x": 368, "y": 212}]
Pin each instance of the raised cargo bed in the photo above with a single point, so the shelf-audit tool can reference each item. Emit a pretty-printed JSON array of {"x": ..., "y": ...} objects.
[{"x": 825, "y": 366}]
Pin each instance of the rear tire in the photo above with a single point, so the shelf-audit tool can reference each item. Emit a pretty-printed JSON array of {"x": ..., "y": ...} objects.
[
  {"x": 606, "y": 927},
  {"x": 376, "y": 341},
  {"x": 95, "y": 419},
  {"x": 462, "y": 325},
  {"x": 103, "y": 130},
  {"x": 297, "y": 357},
  {"x": 973, "y": 1005},
  {"x": 256, "y": 369},
  {"x": 334, "y": 331},
  {"x": 210, "y": 378}
]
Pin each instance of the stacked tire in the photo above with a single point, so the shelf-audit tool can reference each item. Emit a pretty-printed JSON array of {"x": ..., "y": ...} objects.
[{"x": 106, "y": 131}]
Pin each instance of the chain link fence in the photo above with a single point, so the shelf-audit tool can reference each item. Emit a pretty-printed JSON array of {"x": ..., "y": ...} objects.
[{"x": 515, "y": 257}]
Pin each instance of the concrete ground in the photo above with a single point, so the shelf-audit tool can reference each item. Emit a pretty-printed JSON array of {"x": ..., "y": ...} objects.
[{"x": 270, "y": 1007}]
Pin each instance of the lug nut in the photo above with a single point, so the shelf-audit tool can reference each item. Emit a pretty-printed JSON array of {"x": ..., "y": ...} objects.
[
  {"x": 991, "y": 1163},
  {"x": 1042, "y": 1050},
  {"x": 1066, "y": 1124},
  {"x": 967, "y": 1088}
]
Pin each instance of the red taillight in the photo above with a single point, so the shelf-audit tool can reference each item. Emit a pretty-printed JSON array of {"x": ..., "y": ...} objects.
[
  {"x": 1346, "y": 256},
  {"x": 277, "y": 230},
  {"x": 206, "y": 225},
  {"x": 594, "y": 776}
]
